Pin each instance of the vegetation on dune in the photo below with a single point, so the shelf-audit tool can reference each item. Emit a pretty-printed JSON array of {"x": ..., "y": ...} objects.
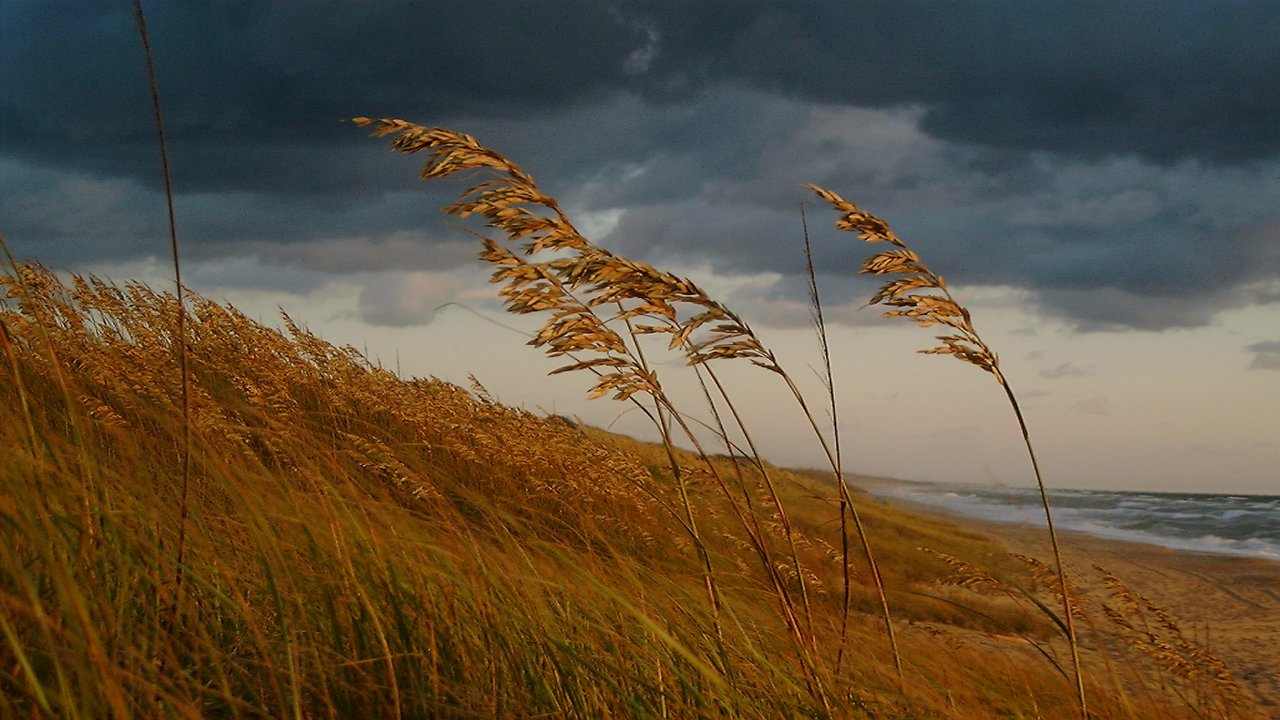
[
  {"x": 358, "y": 543},
  {"x": 283, "y": 529},
  {"x": 201, "y": 516}
]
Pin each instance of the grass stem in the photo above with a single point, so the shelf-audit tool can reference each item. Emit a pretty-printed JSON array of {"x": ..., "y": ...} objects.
[{"x": 181, "y": 339}]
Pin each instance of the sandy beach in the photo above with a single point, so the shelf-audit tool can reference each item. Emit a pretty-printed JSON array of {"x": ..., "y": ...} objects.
[{"x": 1234, "y": 602}]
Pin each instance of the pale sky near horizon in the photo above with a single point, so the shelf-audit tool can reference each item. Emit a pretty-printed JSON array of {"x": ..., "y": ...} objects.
[{"x": 1099, "y": 182}]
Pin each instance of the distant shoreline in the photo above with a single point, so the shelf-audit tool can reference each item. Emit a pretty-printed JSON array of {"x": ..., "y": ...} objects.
[
  {"x": 868, "y": 481},
  {"x": 1185, "y": 522}
]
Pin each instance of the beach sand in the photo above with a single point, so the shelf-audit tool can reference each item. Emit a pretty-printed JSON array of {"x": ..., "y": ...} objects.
[{"x": 1234, "y": 602}]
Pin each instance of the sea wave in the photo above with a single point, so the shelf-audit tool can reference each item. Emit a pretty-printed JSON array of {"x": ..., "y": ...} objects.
[{"x": 1242, "y": 525}]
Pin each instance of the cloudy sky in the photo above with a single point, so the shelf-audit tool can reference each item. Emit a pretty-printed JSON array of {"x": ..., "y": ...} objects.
[{"x": 1100, "y": 182}]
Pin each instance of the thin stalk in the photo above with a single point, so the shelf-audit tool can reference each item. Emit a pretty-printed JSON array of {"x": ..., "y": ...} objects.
[
  {"x": 1068, "y": 615},
  {"x": 921, "y": 295},
  {"x": 769, "y": 485},
  {"x": 1069, "y": 621},
  {"x": 713, "y": 593},
  {"x": 846, "y": 499},
  {"x": 828, "y": 378},
  {"x": 789, "y": 616},
  {"x": 183, "y": 504},
  {"x": 664, "y": 429},
  {"x": 749, "y": 520}
]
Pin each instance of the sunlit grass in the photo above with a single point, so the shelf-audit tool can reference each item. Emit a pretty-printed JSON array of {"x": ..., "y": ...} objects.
[{"x": 362, "y": 545}]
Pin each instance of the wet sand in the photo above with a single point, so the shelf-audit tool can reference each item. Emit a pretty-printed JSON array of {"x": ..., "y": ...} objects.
[{"x": 1234, "y": 602}]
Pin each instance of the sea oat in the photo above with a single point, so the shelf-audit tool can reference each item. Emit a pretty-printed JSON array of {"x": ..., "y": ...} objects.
[
  {"x": 935, "y": 306},
  {"x": 599, "y": 305}
]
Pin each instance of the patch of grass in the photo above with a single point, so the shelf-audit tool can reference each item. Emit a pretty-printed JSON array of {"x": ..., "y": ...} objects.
[
  {"x": 351, "y": 544},
  {"x": 364, "y": 545}
]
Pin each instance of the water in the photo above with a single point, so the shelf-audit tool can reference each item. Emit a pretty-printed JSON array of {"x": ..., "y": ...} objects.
[{"x": 1247, "y": 525}]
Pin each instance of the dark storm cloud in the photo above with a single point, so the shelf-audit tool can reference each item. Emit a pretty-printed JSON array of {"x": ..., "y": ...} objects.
[
  {"x": 1166, "y": 80},
  {"x": 253, "y": 91},
  {"x": 1107, "y": 244},
  {"x": 1118, "y": 158}
]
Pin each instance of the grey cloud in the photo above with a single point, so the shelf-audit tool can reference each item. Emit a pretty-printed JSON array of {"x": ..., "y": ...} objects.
[
  {"x": 1109, "y": 308},
  {"x": 1119, "y": 160},
  {"x": 66, "y": 218},
  {"x": 398, "y": 251},
  {"x": 1066, "y": 370},
  {"x": 785, "y": 302},
  {"x": 69, "y": 218},
  {"x": 1107, "y": 244},
  {"x": 1266, "y": 355},
  {"x": 211, "y": 277},
  {"x": 253, "y": 91},
  {"x": 1096, "y": 405},
  {"x": 403, "y": 299},
  {"x": 246, "y": 273},
  {"x": 1181, "y": 79}
]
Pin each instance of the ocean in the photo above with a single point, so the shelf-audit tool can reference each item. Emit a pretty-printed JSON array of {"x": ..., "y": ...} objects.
[{"x": 1247, "y": 525}]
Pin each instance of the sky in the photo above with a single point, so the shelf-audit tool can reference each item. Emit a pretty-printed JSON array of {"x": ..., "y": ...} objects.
[{"x": 1099, "y": 182}]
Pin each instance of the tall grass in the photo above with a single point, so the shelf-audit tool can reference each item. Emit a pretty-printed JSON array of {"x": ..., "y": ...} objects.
[
  {"x": 352, "y": 544},
  {"x": 140, "y": 19},
  {"x": 587, "y": 292},
  {"x": 921, "y": 295},
  {"x": 359, "y": 543},
  {"x": 581, "y": 278}
]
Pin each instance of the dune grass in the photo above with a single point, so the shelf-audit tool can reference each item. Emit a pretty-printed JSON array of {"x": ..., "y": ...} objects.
[
  {"x": 601, "y": 308},
  {"x": 917, "y": 293},
  {"x": 362, "y": 545},
  {"x": 206, "y": 517}
]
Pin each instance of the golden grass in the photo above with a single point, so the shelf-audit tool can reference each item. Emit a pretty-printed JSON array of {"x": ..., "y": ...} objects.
[
  {"x": 587, "y": 293},
  {"x": 356, "y": 544},
  {"x": 365, "y": 545},
  {"x": 921, "y": 295}
]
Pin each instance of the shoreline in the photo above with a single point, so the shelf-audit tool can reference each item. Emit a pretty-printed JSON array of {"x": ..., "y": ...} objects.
[
  {"x": 1229, "y": 603},
  {"x": 1031, "y": 514}
]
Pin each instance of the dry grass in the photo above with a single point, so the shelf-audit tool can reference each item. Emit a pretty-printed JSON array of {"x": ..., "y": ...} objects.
[
  {"x": 602, "y": 306},
  {"x": 921, "y": 295},
  {"x": 362, "y": 545},
  {"x": 1140, "y": 644},
  {"x": 587, "y": 292}
]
